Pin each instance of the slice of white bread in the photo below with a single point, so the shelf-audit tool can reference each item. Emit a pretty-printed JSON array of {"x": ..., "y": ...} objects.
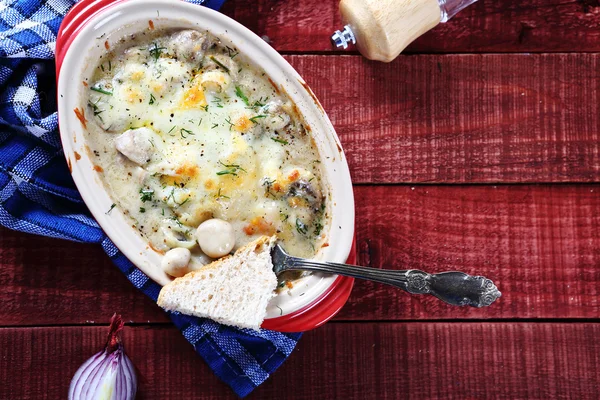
[{"x": 233, "y": 290}]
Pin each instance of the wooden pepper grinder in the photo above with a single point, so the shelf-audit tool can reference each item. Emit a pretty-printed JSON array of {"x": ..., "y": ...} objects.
[{"x": 381, "y": 29}]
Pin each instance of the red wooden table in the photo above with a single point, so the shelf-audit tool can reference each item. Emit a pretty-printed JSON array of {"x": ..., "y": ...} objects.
[{"x": 478, "y": 151}]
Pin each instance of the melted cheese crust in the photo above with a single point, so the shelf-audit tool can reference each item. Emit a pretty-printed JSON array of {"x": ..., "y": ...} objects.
[{"x": 185, "y": 130}]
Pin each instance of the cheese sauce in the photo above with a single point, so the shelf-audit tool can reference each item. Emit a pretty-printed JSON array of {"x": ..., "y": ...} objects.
[{"x": 185, "y": 130}]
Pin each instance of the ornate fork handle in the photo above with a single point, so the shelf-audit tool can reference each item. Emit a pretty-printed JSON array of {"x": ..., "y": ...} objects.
[{"x": 455, "y": 288}]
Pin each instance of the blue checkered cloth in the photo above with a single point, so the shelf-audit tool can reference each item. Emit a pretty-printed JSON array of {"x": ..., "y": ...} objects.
[{"x": 37, "y": 194}]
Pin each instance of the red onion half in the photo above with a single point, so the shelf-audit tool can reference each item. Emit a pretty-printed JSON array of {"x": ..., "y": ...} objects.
[{"x": 108, "y": 374}]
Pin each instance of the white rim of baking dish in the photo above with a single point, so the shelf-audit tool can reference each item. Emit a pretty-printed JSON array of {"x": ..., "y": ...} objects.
[{"x": 132, "y": 17}]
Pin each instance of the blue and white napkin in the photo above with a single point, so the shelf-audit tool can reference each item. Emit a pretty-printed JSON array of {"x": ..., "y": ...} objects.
[{"x": 38, "y": 196}]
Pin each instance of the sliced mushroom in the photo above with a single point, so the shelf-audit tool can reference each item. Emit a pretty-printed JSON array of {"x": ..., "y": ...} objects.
[
  {"x": 305, "y": 190},
  {"x": 276, "y": 118},
  {"x": 137, "y": 145},
  {"x": 215, "y": 81},
  {"x": 190, "y": 45}
]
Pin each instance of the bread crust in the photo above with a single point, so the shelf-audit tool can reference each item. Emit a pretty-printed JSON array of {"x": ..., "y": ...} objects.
[{"x": 214, "y": 266}]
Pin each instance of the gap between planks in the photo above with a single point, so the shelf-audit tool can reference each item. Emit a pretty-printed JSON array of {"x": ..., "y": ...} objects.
[
  {"x": 491, "y": 118},
  {"x": 440, "y": 360},
  {"x": 168, "y": 325},
  {"x": 540, "y": 244},
  {"x": 496, "y": 26}
]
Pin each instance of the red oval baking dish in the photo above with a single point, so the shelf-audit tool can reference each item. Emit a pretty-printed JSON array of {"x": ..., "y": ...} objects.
[{"x": 89, "y": 26}]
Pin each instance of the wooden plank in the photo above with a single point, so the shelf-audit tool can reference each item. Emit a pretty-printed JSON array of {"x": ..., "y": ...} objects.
[
  {"x": 540, "y": 244},
  {"x": 463, "y": 118},
  {"x": 51, "y": 281},
  {"x": 487, "y": 26},
  {"x": 350, "y": 361}
]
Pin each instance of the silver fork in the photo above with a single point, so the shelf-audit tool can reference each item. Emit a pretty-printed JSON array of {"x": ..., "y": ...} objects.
[{"x": 455, "y": 288}]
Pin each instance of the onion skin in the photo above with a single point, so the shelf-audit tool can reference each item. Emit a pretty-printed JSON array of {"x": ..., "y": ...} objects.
[{"x": 108, "y": 374}]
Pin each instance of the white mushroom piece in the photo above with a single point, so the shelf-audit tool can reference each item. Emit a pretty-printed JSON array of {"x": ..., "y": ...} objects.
[
  {"x": 175, "y": 262},
  {"x": 190, "y": 44},
  {"x": 215, "y": 81},
  {"x": 223, "y": 63},
  {"x": 137, "y": 145},
  {"x": 276, "y": 118},
  {"x": 215, "y": 237}
]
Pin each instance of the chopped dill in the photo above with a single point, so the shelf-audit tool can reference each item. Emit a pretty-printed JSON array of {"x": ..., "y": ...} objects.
[
  {"x": 232, "y": 52},
  {"x": 156, "y": 51},
  {"x": 177, "y": 221},
  {"x": 113, "y": 205},
  {"x": 228, "y": 120},
  {"x": 318, "y": 228},
  {"x": 241, "y": 95},
  {"x": 146, "y": 195},
  {"x": 219, "y": 195},
  {"x": 301, "y": 227},
  {"x": 187, "y": 131},
  {"x": 100, "y": 90},
  {"x": 253, "y": 119},
  {"x": 96, "y": 110},
  {"x": 232, "y": 169},
  {"x": 220, "y": 64}
]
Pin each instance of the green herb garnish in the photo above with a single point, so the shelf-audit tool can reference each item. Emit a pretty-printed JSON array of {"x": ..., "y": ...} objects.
[
  {"x": 301, "y": 227},
  {"x": 156, "y": 51},
  {"x": 253, "y": 119},
  {"x": 146, "y": 195},
  {"x": 220, "y": 64},
  {"x": 268, "y": 183},
  {"x": 152, "y": 99},
  {"x": 100, "y": 90},
  {"x": 142, "y": 210},
  {"x": 113, "y": 205},
  {"x": 217, "y": 101},
  {"x": 241, "y": 95},
  {"x": 232, "y": 169},
  {"x": 172, "y": 196},
  {"x": 97, "y": 111},
  {"x": 219, "y": 195},
  {"x": 174, "y": 218},
  {"x": 183, "y": 130},
  {"x": 232, "y": 52},
  {"x": 318, "y": 228},
  {"x": 228, "y": 120},
  {"x": 279, "y": 140}
]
